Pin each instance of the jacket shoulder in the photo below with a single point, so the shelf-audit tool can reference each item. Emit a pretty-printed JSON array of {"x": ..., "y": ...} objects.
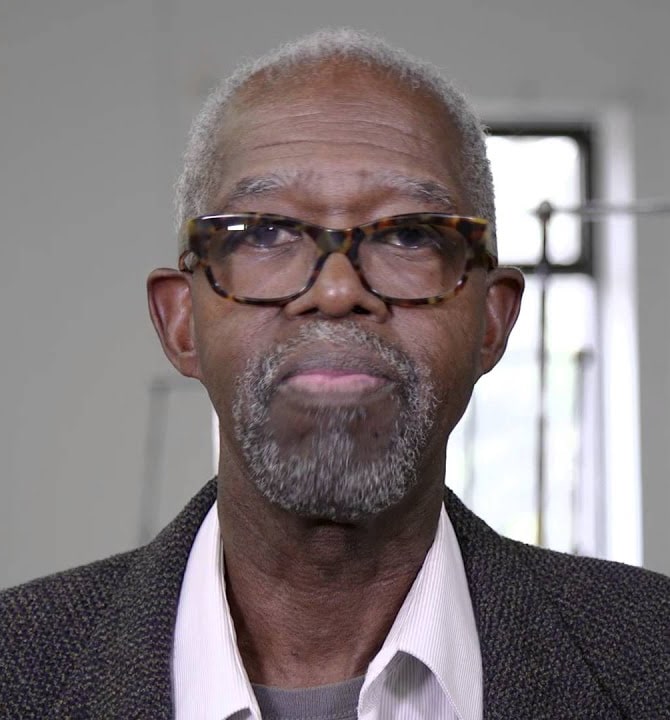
[
  {"x": 608, "y": 587},
  {"x": 96, "y": 641},
  {"x": 619, "y": 617},
  {"x": 46, "y": 623},
  {"x": 589, "y": 638}
]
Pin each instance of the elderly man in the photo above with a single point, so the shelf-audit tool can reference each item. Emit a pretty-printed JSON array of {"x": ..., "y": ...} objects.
[{"x": 338, "y": 296}]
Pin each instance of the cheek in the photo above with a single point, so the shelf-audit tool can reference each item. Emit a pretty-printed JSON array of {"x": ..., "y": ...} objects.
[
  {"x": 218, "y": 359},
  {"x": 226, "y": 335},
  {"x": 447, "y": 343}
]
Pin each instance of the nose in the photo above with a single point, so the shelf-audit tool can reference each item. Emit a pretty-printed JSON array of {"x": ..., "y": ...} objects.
[{"x": 337, "y": 292}]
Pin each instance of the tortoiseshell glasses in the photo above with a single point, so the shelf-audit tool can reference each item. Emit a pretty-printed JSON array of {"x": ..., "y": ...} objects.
[{"x": 259, "y": 259}]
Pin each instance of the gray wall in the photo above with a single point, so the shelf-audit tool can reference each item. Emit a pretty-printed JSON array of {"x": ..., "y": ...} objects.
[{"x": 95, "y": 100}]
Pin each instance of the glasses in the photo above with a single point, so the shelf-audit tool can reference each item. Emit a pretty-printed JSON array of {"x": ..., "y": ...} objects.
[{"x": 261, "y": 259}]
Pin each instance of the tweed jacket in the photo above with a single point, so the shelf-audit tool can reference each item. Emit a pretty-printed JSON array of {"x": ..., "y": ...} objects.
[{"x": 561, "y": 637}]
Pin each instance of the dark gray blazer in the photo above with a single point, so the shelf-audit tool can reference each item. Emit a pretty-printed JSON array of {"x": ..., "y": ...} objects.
[{"x": 561, "y": 637}]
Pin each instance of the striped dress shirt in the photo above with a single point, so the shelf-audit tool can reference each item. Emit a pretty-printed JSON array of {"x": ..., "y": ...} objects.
[{"x": 428, "y": 667}]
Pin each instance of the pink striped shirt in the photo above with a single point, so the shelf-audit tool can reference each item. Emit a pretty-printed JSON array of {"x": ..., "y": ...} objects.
[{"x": 428, "y": 667}]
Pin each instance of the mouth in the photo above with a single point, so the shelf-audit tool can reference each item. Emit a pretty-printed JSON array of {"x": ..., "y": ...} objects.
[
  {"x": 336, "y": 377},
  {"x": 334, "y": 381}
]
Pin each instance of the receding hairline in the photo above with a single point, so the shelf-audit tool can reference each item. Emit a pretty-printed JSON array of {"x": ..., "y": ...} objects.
[
  {"x": 341, "y": 50},
  {"x": 271, "y": 80},
  {"x": 268, "y": 86}
]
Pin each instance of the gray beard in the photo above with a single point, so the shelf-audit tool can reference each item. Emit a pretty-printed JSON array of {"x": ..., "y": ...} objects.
[{"x": 328, "y": 481}]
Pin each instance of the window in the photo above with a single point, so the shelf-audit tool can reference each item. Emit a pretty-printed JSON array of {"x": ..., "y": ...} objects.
[{"x": 504, "y": 457}]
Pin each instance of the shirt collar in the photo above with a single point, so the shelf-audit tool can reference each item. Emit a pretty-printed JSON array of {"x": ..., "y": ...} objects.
[
  {"x": 209, "y": 678},
  {"x": 435, "y": 625}
]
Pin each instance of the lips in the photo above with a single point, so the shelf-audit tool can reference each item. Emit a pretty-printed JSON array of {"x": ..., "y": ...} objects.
[
  {"x": 336, "y": 381},
  {"x": 326, "y": 371}
]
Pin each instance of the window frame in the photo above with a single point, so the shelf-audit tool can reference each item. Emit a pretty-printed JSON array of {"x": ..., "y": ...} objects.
[{"x": 583, "y": 135}]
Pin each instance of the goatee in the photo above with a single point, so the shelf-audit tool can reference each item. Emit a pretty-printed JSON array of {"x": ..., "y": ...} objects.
[{"x": 332, "y": 474}]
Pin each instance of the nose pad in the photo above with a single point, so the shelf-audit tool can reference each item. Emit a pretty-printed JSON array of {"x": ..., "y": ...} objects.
[{"x": 337, "y": 292}]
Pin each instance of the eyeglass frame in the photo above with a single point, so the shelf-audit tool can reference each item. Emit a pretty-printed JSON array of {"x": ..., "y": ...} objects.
[{"x": 344, "y": 241}]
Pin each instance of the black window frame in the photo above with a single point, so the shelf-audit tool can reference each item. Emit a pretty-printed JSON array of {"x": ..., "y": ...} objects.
[{"x": 583, "y": 134}]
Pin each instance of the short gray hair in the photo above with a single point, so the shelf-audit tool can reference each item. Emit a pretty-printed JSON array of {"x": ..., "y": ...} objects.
[{"x": 203, "y": 162}]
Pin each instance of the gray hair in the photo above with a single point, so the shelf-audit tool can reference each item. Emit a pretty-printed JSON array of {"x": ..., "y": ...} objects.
[{"x": 203, "y": 163}]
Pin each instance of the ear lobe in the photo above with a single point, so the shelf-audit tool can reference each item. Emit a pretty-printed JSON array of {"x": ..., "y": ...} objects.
[
  {"x": 170, "y": 307},
  {"x": 503, "y": 300}
]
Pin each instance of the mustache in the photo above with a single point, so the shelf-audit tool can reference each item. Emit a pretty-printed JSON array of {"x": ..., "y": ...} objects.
[{"x": 346, "y": 338}]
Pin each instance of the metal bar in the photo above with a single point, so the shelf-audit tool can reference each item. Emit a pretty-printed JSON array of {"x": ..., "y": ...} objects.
[
  {"x": 604, "y": 209},
  {"x": 544, "y": 214},
  {"x": 580, "y": 362},
  {"x": 160, "y": 389}
]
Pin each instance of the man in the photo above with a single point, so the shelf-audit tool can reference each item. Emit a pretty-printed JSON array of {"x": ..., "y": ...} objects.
[{"x": 338, "y": 296}]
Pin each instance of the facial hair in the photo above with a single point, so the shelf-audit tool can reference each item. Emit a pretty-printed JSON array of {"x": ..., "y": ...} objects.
[{"x": 329, "y": 479}]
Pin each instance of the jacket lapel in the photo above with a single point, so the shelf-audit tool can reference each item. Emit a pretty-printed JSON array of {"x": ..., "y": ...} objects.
[{"x": 532, "y": 667}]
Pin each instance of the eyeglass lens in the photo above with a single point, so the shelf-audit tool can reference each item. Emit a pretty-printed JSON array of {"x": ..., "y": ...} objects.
[{"x": 263, "y": 260}]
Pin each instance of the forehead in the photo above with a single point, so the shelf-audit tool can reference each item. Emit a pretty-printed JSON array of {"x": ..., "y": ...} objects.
[{"x": 339, "y": 130}]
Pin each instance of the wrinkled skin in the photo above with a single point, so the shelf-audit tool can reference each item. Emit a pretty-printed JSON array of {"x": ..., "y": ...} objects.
[{"x": 319, "y": 597}]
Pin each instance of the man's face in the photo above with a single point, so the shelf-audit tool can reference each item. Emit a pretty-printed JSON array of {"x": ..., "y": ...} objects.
[{"x": 337, "y": 405}]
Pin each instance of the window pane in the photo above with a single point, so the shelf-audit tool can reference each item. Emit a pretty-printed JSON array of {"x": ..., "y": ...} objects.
[
  {"x": 528, "y": 170},
  {"x": 493, "y": 454},
  {"x": 491, "y": 457}
]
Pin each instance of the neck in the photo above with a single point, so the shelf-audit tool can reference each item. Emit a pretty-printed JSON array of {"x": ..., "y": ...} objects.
[{"x": 312, "y": 601}]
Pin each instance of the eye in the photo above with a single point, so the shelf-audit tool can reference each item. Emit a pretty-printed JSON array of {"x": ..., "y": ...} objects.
[
  {"x": 410, "y": 237},
  {"x": 266, "y": 236}
]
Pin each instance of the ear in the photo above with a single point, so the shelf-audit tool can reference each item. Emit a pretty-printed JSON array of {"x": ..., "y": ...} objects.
[
  {"x": 170, "y": 307},
  {"x": 503, "y": 299}
]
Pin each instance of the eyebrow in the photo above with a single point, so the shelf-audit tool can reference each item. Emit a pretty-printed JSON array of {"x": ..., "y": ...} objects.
[
  {"x": 428, "y": 191},
  {"x": 425, "y": 191},
  {"x": 254, "y": 187}
]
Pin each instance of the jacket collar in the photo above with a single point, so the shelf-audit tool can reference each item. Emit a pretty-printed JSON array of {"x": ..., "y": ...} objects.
[{"x": 531, "y": 666}]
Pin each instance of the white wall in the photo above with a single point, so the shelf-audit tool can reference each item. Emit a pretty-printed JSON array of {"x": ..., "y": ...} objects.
[{"x": 95, "y": 99}]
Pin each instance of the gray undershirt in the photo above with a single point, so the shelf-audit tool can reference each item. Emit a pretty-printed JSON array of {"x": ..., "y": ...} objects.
[{"x": 326, "y": 702}]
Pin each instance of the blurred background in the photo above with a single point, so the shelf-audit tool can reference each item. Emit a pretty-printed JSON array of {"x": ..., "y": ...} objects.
[{"x": 101, "y": 443}]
